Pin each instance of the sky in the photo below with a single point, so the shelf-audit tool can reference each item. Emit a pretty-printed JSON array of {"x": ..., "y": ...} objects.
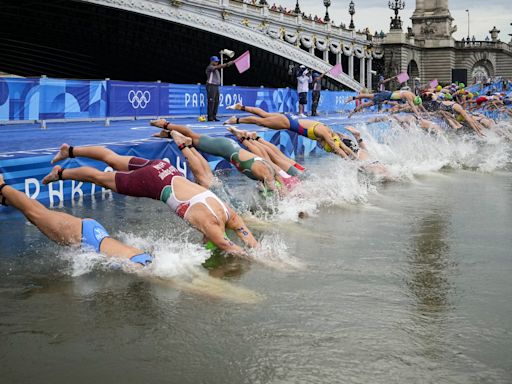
[{"x": 375, "y": 14}]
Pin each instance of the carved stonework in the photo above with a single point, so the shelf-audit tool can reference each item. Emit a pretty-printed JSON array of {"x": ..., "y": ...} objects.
[
  {"x": 432, "y": 20},
  {"x": 195, "y": 17}
]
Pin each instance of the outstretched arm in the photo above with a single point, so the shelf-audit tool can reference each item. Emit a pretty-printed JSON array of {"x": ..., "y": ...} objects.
[
  {"x": 236, "y": 224},
  {"x": 225, "y": 65}
]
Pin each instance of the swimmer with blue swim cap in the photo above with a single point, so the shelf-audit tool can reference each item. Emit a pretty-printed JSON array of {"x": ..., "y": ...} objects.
[{"x": 65, "y": 229}]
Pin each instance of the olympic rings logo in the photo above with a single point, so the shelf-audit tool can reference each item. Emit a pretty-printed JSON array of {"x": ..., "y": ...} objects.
[{"x": 139, "y": 99}]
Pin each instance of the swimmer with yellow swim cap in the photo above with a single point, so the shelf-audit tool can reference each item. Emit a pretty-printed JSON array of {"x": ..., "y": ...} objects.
[{"x": 311, "y": 129}]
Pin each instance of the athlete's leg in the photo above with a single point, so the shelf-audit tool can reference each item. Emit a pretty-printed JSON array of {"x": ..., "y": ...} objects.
[
  {"x": 162, "y": 123},
  {"x": 117, "y": 162},
  {"x": 274, "y": 121},
  {"x": 277, "y": 158},
  {"x": 254, "y": 110},
  {"x": 57, "y": 226},
  {"x": 198, "y": 164},
  {"x": 86, "y": 174}
]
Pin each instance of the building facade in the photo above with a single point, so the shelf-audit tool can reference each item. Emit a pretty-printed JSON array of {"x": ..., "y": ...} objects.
[{"x": 428, "y": 50}]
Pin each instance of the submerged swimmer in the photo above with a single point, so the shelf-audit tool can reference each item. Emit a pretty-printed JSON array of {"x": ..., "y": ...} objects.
[
  {"x": 311, "y": 129},
  {"x": 158, "y": 180},
  {"x": 68, "y": 230},
  {"x": 360, "y": 148}
]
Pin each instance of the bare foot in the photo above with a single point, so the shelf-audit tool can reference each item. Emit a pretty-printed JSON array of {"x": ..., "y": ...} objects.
[
  {"x": 63, "y": 153},
  {"x": 252, "y": 135},
  {"x": 231, "y": 120},
  {"x": 237, "y": 132},
  {"x": 53, "y": 175},
  {"x": 158, "y": 123},
  {"x": 1, "y": 179},
  {"x": 237, "y": 106},
  {"x": 181, "y": 139}
]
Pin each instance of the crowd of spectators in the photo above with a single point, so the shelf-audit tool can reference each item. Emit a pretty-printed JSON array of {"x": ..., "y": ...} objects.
[{"x": 286, "y": 11}]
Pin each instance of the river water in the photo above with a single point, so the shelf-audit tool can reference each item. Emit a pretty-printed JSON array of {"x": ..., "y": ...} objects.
[{"x": 403, "y": 282}]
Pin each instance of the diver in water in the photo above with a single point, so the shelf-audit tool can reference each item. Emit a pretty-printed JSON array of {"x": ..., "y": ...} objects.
[
  {"x": 272, "y": 154},
  {"x": 380, "y": 97},
  {"x": 248, "y": 163},
  {"x": 68, "y": 230},
  {"x": 158, "y": 180},
  {"x": 311, "y": 129}
]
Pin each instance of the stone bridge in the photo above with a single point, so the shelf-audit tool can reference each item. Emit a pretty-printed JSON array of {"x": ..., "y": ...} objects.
[{"x": 143, "y": 34}]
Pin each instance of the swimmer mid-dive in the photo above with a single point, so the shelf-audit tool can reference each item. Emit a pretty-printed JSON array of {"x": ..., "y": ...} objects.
[
  {"x": 272, "y": 154},
  {"x": 68, "y": 230},
  {"x": 360, "y": 148},
  {"x": 158, "y": 180},
  {"x": 311, "y": 129},
  {"x": 380, "y": 97},
  {"x": 249, "y": 164}
]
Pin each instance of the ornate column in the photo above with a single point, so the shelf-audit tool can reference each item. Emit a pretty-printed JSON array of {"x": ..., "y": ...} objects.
[
  {"x": 338, "y": 56},
  {"x": 361, "y": 70},
  {"x": 369, "y": 74},
  {"x": 351, "y": 66}
]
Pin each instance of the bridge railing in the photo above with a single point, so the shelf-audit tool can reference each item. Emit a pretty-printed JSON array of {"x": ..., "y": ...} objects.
[
  {"x": 484, "y": 44},
  {"x": 45, "y": 99}
]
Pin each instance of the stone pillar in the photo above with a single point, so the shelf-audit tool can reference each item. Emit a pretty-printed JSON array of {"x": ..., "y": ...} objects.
[
  {"x": 351, "y": 66},
  {"x": 338, "y": 58},
  {"x": 361, "y": 70},
  {"x": 369, "y": 74},
  {"x": 326, "y": 55}
]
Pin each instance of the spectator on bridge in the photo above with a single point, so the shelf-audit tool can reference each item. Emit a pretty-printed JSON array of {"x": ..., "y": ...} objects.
[
  {"x": 303, "y": 80},
  {"x": 317, "y": 87},
  {"x": 212, "y": 85}
]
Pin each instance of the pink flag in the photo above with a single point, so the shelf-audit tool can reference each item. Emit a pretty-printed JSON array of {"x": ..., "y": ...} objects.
[
  {"x": 243, "y": 63},
  {"x": 336, "y": 70},
  {"x": 402, "y": 77},
  {"x": 433, "y": 83}
]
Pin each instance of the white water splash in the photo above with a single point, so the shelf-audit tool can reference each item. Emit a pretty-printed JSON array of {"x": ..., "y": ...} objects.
[{"x": 412, "y": 151}]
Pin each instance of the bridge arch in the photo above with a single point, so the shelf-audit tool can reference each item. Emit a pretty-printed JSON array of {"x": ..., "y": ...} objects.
[
  {"x": 481, "y": 70},
  {"x": 414, "y": 72},
  {"x": 172, "y": 11}
]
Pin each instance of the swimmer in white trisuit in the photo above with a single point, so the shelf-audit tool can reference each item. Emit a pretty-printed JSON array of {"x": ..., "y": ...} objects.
[
  {"x": 159, "y": 180},
  {"x": 68, "y": 230}
]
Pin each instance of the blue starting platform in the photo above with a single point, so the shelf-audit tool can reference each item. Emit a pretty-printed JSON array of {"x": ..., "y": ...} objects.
[{"x": 26, "y": 150}]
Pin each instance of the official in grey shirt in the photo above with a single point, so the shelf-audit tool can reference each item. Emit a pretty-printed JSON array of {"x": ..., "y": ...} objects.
[{"x": 212, "y": 86}]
